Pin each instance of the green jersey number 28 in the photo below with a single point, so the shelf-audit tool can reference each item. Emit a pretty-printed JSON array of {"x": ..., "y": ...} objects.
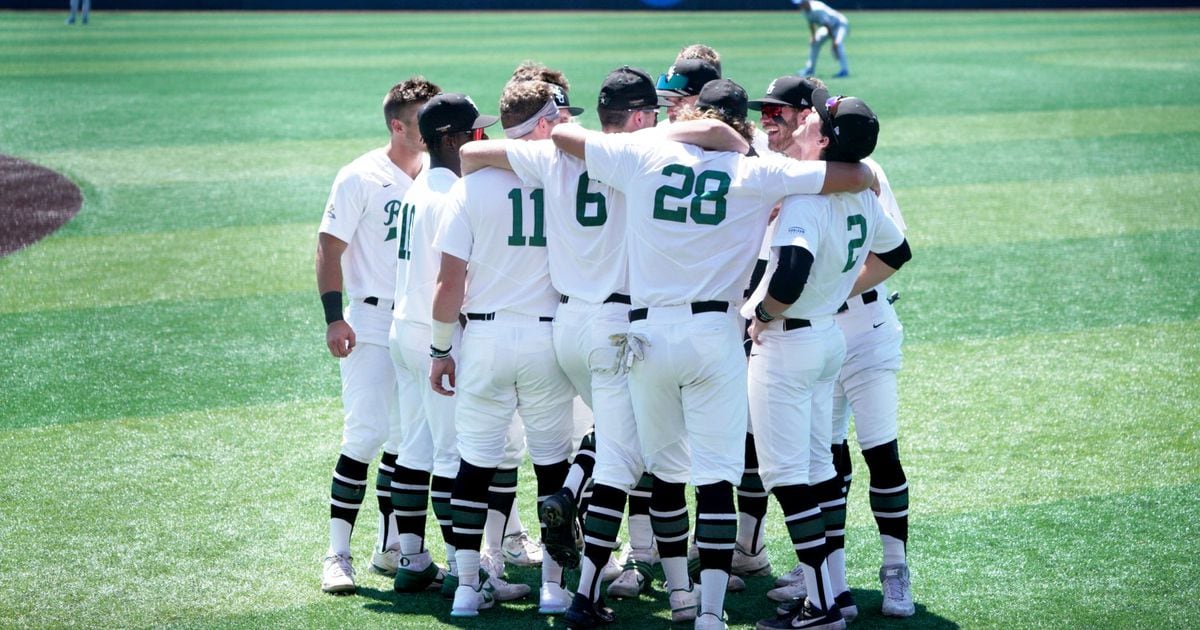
[{"x": 709, "y": 187}]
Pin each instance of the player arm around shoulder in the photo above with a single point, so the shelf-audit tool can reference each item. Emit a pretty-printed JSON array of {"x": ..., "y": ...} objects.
[
  {"x": 484, "y": 153},
  {"x": 339, "y": 336},
  {"x": 706, "y": 133},
  {"x": 571, "y": 139}
]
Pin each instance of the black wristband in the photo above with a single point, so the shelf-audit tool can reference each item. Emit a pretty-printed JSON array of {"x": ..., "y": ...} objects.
[
  {"x": 762, "y": 315},
  {"x": 332, "y": 301},
  {"x": 438, "y": 353}
]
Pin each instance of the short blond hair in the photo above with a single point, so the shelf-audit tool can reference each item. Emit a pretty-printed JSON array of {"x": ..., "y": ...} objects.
[
  {"x": 521, "y": 100},
  {"x": 702, "y": 52}
]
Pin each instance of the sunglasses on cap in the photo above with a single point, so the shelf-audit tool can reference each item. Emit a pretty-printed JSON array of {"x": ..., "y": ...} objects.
[
  {"x": 673, "y": 82},
  {"x": 831, "y": 107}
]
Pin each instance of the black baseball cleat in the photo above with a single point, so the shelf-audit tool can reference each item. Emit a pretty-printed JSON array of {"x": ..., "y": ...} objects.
[
  {"x": 845, "y": 603},
  {"x": 584, "y": 614},
  {"x": 558, "y": 515},
  {"x": 805, "y": 617}
]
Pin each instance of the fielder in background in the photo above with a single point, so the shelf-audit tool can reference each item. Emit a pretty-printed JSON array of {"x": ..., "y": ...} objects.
[
  {"x": 818, "y": 246},
  {"x": 356, "y": 253},
  {"x": 695, "y": 222},
  {"x": 824, "y": 24}
]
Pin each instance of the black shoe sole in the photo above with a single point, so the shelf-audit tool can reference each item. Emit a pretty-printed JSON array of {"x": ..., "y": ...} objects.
[{"x": 559, "y": 518}]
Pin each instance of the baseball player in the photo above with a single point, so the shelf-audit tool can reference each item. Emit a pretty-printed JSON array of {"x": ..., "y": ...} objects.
[
  {"x": 866, "y": 386},
  {"x": 693, "y": 223},
  {"x": 494, "y": 268},
  {"x": 824, "y": 23},
  {"x": 356, "y": 253},
  {"x": 588, "y": 265},
  {"x": 818, "y": 247},
  {"x": 680, "y": 85},
  {"x": 446, "y": 122}
]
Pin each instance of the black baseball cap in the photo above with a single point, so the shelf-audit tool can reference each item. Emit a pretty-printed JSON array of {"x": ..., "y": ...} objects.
[
  {"x": 686, "y": 78},
  {"x": 854, "y": 126},
  {"x": 628, "y": 89},
  {"x": 450, "y": 113},
  {"x": 563, "y": 101},
  {"x": 723, "y": 96},
  {"x": 791, "y": 91}
]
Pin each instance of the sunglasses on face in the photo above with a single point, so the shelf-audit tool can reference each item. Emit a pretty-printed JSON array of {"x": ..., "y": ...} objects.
[
  {"x": 478, "y": 134},
  {"x": 772, "y": 110}
]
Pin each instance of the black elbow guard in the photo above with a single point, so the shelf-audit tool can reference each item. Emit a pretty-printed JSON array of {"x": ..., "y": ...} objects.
[
  {"x": 897, "y": 257},
  {"x": 787, "y": 283},
  {"x": 756, "y": 276}
]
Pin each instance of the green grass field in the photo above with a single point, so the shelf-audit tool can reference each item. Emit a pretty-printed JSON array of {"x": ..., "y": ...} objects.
[{"x": 169, "y": 415}]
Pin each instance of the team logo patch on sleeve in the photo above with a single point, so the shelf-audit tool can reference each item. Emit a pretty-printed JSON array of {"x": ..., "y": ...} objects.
[
  {"x": 329, "y": 212},
  {"x": 795, "y": 229}
]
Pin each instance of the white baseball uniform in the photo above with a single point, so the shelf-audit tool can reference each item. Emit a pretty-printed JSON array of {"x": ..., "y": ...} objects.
[
  {"x": 866, "y": 384},
  {"x": 497, "y": 226},
  {"x": 364, "y": 211},
  {"x": 793, "y": 368},
  {"x": 585, "y": 232},
  {"x": 695, "y": 222},
  {"x": 428, "y": 440}
]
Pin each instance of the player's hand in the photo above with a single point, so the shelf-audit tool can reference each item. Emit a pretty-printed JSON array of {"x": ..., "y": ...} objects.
[
  {"x": 755, "y": 329},
  {"x": 339, "y": 336},
  {"x": 439, "y": 368}
]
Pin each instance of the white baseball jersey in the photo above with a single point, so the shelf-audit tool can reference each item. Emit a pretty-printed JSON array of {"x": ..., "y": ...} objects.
[
  {"x": 507, "y": 268},
  {"x": 419, "y": 261},
  {"x": 838, "y": 230},
  {"x": 364, "y": 211},
  {"x": 585, "y": 236},
  {"x": 675, "y": 194},
  {"x": 822, "y": 14}
]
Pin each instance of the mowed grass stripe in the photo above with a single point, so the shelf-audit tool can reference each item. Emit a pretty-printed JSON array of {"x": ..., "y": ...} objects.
[
  {"x": 165, "y": 357},
  {"x": 1088, "y": 207},
  {"x": 83, "y": 272},
  {"x": 995, "y": 290},
  {"x": 1050, "y": 416}
]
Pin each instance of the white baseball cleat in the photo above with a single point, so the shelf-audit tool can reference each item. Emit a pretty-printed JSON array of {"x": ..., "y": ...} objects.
[
  {"x": 611, "y": 570},
  {"x": 795, "y": 576},
  {"x": 492, "y": 561},
  {"x": 897, "y": 590},
  {"x": 522, "y": 550},
  {"x": 387, "y": 561},
  {"x": 469, "y": 600},
  {"x": 750, "y": 564},
  {"x": 337, "y": 574},
  {"x": 553, "y": 599},
  {"x": 684, "y": 603},
  {"x": 788, "y": 593}
]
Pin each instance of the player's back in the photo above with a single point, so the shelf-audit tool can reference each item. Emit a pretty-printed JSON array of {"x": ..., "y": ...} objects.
[
  {"x": 498, "y": 226},
  {"x": 696, "y": 218},
  {"x": 585, "y": 222}
]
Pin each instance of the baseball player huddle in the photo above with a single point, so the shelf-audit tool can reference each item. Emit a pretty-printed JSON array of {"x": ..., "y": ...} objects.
[{"x": 491, "y": 282}]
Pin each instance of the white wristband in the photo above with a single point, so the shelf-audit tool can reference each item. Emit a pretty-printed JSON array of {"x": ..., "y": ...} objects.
[{"x": 443, "y": 334}]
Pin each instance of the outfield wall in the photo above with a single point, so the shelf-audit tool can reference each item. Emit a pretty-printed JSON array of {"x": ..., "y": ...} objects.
[{"x": 587, "y": 5}]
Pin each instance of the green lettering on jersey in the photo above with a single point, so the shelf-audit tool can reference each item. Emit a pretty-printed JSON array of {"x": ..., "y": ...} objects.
[
  {"x": 855, "y": 243},
  {"x": 538, "y": 238},
  {"x": 406, "y": 225},
  {"x": 583, "y": 199},
  {"x": 709, "y": 186},
  {"x": 392, "y": 208}
]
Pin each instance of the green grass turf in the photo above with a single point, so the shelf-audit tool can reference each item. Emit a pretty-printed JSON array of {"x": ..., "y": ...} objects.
[{"x": 169, "y": 416}]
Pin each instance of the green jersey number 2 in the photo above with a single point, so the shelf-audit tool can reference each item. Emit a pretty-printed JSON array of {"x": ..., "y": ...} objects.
[
  {"x": 852, "y": 221},
  {"x": 518, "y": 238},
  {"x": 708, "y": 186}
]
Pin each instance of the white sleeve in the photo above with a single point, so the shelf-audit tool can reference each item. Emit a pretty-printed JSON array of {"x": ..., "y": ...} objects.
[
  {"x": 888, "y": 235},
  {"x": 610, "y": 159},
  {"x": 530, "y": 160},
  {"x": 887, "y": 198},
  {"x": 454, "y": 231},
  {"x": 345, "y": 207},
  {"x": 799, "y": 223}
]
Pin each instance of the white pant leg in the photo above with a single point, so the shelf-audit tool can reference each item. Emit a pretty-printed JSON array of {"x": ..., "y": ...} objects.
[
  {"x": 486, "y": 393},
  {"x": 868, "y": 376},
  {"x": 784, "y": 373},
  {"x": 415, "y": 444},
  {"x": 618, "y": 451},
  {"x": 544, "y": 396},
  {"x": 368, "y": 385},
  {"x": 820, "y": 465}
]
